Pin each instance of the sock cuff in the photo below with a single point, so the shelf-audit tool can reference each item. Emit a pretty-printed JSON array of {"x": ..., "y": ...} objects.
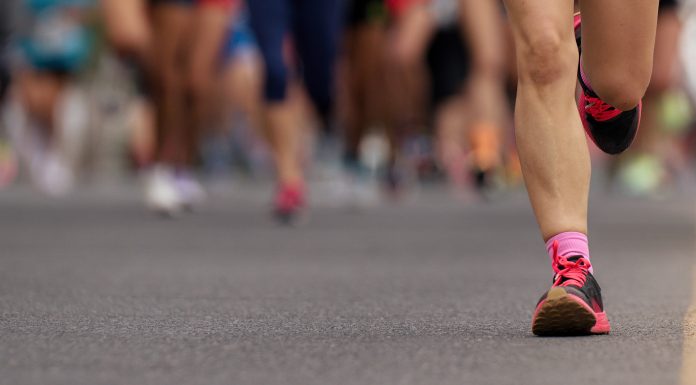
[{"x": 569, "y": 238}]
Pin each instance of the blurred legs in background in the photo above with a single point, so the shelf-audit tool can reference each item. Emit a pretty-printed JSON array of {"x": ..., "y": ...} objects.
[
  {"x": 129, "y": 31},
  {"x": 47, "y": 115},
  {"x": 171, "y": 32},
  {"x": 482, "y": 24},
  {"x": 646, "y": 167},
  {"x": 314, "y": 27},
  {"x": 409, "y": 34},
  {"x": 210, "y": 23},
  {"x": 466, "y": 59},
  {"x": 235, "y": 138}
]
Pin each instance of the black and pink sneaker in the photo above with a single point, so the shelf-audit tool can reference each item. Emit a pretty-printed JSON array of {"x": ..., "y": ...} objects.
[
  {"x": 289, "y": 203},
  {"x": 573, "y": 306},
  {"x": 612, "y": 130}
]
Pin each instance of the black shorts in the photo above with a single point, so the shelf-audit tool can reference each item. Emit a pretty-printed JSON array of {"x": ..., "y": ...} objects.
[
  {"x": 449, "y": 63},
  {"x": 4, "y": 79},
  {"x": 175, "y": 2},
  {"x": 362, "y": 12},
  {"x": 668, "y": 4}
]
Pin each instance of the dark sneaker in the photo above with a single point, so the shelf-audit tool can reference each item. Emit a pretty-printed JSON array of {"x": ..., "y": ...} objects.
[
  {"x": 573, "y": 305},
  {"x": 612, "y": 130}
]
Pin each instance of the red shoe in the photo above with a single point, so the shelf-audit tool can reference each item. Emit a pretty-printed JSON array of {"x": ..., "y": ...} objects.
[
  {"x": 289, "y": 203},
  {"x": 573, "y": 306},
  {"x": 612, "y": 130}
]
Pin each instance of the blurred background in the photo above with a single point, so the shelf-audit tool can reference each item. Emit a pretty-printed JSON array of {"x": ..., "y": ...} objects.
[{"x": 359, "y": 102}]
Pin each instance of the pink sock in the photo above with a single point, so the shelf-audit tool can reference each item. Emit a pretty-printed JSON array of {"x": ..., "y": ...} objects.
[{"x": 570, "y": 244}]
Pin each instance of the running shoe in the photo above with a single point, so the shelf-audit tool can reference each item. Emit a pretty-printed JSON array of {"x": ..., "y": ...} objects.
[
  {"x": 573, "y": 305},
  {"x": 612, "y": 130},
  {"x": 161, "y": 193},
  {"x": 289, "y": 202},
  {"x": 190, "y": 190}
]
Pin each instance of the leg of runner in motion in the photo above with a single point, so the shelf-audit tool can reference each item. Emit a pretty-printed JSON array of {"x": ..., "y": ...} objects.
[
  {"x": 555, "y": 159},
  {"x": 618, "y": 39},
  {"x": 364, "y": 76},
  {"x": 210, "y": 23},
  {"x": 171, "y": 20},
  {"x": 270, "y": 20},
  {"x": 482, "y": 23},
  {"x": 317, "y": 28},
  {"x": 651, "y": 154}
]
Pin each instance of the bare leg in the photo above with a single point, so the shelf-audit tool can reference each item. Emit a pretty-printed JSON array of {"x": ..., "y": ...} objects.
[
  {"x": 405, "y": 78},
  {"x": 127, "y": 27},
  {"x": 364, "y": 82},
  {"x": 663, "y": 77},
  {"x": 210, "y": 23},
  {"x": 171, "y": 31},
  {"x": 550, "y": 138},
  {"x": 483, "y": 27},
  {"x": 618, "y": 38},
  {"x": 283, "y": 123}
]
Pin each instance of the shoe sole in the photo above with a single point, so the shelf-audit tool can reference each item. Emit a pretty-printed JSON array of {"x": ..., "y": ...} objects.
[
  {"x": 292, "y": 218},
  {"x": 563, "y": 314}
]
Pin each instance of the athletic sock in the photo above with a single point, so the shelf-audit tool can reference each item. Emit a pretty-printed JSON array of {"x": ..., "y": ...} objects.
[{"x": 570, "y": 244}]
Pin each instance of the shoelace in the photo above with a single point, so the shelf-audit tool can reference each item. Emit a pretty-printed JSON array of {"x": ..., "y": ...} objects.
[
  {"x": 569, "y": 272},
  {"x": 600, "y": 110}
]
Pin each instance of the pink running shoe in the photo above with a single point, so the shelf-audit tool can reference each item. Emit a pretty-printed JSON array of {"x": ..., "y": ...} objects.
[
  {"x": 610, "y": 129},
  {"x": 289, "y": 202},
  {"x": 573, "y": 305}
]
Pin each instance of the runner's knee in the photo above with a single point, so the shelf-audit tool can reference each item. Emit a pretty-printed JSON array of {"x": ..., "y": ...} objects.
[{"x": 546, "y": 56}]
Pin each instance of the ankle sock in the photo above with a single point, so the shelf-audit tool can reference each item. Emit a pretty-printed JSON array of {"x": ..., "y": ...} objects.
[{"x": 570, "y": 244}]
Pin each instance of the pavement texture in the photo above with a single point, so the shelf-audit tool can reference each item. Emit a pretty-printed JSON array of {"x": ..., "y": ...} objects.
[{"x": 93, "y": 290}]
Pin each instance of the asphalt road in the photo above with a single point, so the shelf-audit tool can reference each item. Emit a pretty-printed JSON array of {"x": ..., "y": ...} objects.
[{"x": 95, "y": 291}]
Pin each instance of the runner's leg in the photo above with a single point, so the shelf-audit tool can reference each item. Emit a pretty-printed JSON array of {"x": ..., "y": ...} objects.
[
  {"x": 270, "y": 20},
  {"x": 618, "y": 39},
  {"x": 550, "y": 138}
]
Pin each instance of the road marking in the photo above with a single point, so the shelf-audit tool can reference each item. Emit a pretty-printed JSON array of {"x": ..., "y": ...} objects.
[{"x": 688, "y": 373}]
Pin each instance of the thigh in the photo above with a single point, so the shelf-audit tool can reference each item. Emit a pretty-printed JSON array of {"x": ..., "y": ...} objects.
[
  {"x": 210, "y": 27},
  {"x": 126, "y": 24},
  {"x": 171, "y": 30},
  {"x": 172, "y": 27},
  {"x": 618, "y": 38}
]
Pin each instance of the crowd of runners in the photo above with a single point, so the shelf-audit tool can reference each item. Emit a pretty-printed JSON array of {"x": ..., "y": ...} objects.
[{"x": 365, "y": 98}]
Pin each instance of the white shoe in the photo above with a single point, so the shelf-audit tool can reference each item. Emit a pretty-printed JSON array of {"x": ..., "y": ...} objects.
[
  {"x": 191, "y": 191},
  {"x": 52, "y": 174},
  {"x": 161, "y": 193}
]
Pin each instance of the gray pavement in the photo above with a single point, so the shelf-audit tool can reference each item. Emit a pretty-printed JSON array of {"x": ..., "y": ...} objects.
[{"x": 95, "y": 291}]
